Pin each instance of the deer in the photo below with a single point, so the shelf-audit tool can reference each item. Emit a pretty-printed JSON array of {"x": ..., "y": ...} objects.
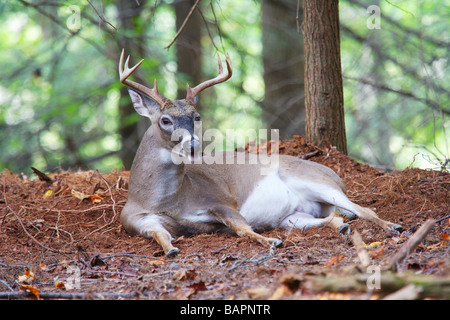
[{"x": 167, "y": 198}]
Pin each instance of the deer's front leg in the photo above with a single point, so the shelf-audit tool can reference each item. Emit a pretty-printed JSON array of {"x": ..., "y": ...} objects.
[
  {"x": 149, "y": 226},
  {"x": 240, "y": 226},
  {"x": 165, "y": 241}
]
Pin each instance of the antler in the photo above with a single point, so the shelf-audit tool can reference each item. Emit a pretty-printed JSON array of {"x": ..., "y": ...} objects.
[
  {"x": 124, "y": 74},
  {"x": 191, "y": 93}
]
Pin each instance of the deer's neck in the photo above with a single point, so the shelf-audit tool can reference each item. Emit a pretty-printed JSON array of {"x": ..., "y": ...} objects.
[{"x": 155, "y": 179}]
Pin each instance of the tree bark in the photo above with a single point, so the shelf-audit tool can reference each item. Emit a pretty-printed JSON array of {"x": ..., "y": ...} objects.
[
  {"x": 188, "y": 45},
  {"x": 283, "y": 105},
  {"x": 324, "y": 101},
  {"x": 130, "y": 132}
]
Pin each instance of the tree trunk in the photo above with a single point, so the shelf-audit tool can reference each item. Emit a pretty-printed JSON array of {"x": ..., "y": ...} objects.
[
  {"x": 324, "y": 101},
  {"x": 284, "y": 104},
  {"x": 130, "y": 131},
  {"x": 188, "y": 45}
]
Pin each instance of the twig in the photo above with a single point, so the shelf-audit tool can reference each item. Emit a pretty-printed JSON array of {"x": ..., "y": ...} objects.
[
  {"x": 6, "y": 285},
  {"x": 198, "y": 255},
  {"x": 130, "y": 255},
  {"x": 309, "y": 155},
  {"x": 412, "y": 243},
  {"x": 183, "y": 25},
  {"x": 219, "y": 250},
  {"x": 31, "y": 236},
  {"x": 101, "y": 16},
  {"x": 250, "y": 263},
  {"x": 360, "y": 249},
  {"x": 442, "y": 219},
  {"x": 74, "y": 295},
  {"x": 115, "y": 214}
]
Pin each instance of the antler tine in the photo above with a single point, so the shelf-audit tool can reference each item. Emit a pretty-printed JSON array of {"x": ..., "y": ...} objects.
[
  {"x": 125, "y": 71},
  {"x": 191, "y": 93}
]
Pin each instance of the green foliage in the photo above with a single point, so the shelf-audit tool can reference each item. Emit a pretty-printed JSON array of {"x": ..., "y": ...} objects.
[
  {"x": 60, "y": 94},
  {"x": 396, "y": 82}
]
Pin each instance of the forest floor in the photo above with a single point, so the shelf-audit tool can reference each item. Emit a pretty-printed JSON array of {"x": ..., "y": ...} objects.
[{"x": 61, "y": 238}]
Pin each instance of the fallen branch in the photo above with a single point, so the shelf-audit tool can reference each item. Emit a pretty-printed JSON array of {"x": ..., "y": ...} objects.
[
  {"x": 425, "y": 286},
  {"x": 408, "y": 292},
  {"x": 360, "y": 249},
  {"x": 74, "y": 295},
  {"x": 411, "y": 244}
]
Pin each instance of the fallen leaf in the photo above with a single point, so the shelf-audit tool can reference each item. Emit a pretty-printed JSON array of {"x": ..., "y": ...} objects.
[
  {"x": 438, "y": 245},
  {"x": 184, "y": 274},
  {"x": 445, "y": 236},
  {"x": 33, "y": 290},
  {"x": 180, "y": 294},
  {"x": 377, "y": 253},
  {"x": 47, "y": 194},
  {"x": 44, "y": 267},
  {"x": 373, "y": 244},
  {"x": 78, "y": 195},
  {"x": 334, "y": 260},
  {"x": 95, "y": 198},
  {"x": 27, "y": 277},
  {"x": 198, "y": 286},
  {"x": 280, "y": 292},
  {"x": 60, "y": 285},
  {"x": 157, "y": 262}
]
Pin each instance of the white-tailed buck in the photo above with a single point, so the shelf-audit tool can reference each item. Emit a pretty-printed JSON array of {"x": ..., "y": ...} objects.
[{"x": 168, "y": 198}]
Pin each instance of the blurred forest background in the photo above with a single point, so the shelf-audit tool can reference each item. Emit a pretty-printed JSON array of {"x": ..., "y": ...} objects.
[{"x": 62, "y": 105}]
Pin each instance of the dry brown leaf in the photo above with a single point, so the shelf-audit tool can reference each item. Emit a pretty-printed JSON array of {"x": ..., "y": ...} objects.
[
  {"x": 95, "y": 198},
  {"x": 47, "y": 194},
  {"x": 184, "y": 274},
  {"x": 373, "y": 244},
  {"x": 80, "y": 195},
  {"x": 334, "y": 260},
  {"x": 157, "y": 262},
  {"x": 44, "y": 267},
  {"x": 27, "y": 277},
  {"x": 33, "y": 290},
  {"x": 438, "y": 245},
  {"x": 377, "y": 253}
]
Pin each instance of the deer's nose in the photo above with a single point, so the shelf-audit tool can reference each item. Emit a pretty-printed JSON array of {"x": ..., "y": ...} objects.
[{"x": 190, "y": 143}]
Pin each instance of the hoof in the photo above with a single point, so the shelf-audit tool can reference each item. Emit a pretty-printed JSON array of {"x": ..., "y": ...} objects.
[
  {"x": 344, "y": 229},
  {"x": 349, "y": 215},
  {"x": 173, "y": 252},
  {"x": 277, "y": 243},
  {"x": 395, "y": 227}
]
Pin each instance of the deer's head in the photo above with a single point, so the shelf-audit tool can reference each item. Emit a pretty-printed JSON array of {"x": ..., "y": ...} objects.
[{"x": 176, "y": 120}]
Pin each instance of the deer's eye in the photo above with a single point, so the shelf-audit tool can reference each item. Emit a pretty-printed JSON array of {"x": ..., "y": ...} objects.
[{"x": 166, "y": 121}]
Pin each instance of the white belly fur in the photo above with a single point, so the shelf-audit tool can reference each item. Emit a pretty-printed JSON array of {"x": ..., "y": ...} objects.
[{"x": 272, "y": 201}]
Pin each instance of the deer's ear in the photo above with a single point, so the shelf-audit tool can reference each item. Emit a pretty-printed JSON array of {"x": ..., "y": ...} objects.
[{"x": 144, "y": 105}]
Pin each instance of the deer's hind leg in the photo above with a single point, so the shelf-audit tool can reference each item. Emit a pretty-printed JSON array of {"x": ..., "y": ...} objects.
[
  {"x": 301, "y": 220},
  {"x": 236, "y": 222}
]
